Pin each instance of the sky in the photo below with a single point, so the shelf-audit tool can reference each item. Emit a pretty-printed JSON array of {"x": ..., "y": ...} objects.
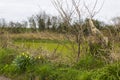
[{"x": 19, "y": 10}]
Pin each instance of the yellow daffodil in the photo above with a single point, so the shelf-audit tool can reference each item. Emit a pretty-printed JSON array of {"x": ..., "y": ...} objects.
[
  {"x": 23, "y": 53},
  {"x": 39, "y": 57}
]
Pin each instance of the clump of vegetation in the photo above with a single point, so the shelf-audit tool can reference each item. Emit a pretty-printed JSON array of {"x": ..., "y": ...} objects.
[
  {"x": 110, "y": 72},
  {"x": 89, "y": 62},
  {"x": 37, "y": 67},
  {"x": 23, "y": 61},
  {"x": 6, "y": 56}
]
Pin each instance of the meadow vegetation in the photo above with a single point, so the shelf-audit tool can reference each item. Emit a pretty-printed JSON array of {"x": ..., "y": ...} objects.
[
  {"x": 52, "y": 48},
  {"x": 48, "y": 59}
]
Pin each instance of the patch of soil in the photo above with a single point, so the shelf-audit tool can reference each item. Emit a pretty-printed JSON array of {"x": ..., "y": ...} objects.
[{"x": 4, "y": 78}]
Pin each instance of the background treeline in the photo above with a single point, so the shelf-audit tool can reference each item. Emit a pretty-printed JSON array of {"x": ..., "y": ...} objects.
[
  {"x": 43, "y": 21},
  {"x": 34, "y": 23}
]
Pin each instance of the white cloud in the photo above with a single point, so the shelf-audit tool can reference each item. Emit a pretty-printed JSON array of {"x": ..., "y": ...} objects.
[{"x": 21, "y": 9}]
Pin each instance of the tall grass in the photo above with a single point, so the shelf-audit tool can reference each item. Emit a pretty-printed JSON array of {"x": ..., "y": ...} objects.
[{"x": 24, "y": 66}]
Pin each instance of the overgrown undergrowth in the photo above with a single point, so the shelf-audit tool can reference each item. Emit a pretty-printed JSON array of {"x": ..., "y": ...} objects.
[
  {"x": 46, "y": 59},
  {"x": 24, "y": 66}
]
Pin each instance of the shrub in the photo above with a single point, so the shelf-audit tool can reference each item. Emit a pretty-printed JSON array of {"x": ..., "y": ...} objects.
[
  {"x": 101, "y": 51},
  {"x": 50, "y": 72},
  {"x": 45, "y": 72},
  {"x": 9, "y": 70},
  {"x": 6, "y": 56},
  {"x": 23, "y": 61},
  {"x": 111, "y": 72},
  {"x": 68, "y": 74},
  {"x": 84, "y": 75},
  {"x": 89, "y": 62}
]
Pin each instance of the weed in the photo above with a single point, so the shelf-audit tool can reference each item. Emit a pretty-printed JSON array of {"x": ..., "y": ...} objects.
[{"x": 89, "y": 62}]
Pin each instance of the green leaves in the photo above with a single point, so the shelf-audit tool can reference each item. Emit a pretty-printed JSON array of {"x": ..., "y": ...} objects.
[{"x": 23, "y": 61}]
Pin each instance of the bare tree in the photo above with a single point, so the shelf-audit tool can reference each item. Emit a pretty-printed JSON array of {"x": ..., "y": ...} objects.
[
  {"x": 74, "y": 8},
  {"x": 93, "y": 29},
  {"x": 68, "y": 11}
]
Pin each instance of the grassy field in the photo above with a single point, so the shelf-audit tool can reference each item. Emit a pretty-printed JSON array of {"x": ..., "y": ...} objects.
[
  {"x": 25, "y": 67},
  {"x": 63, "y": 47},
  {"x": 44, "y": 43},
  {"x": 54, "y": 59}
]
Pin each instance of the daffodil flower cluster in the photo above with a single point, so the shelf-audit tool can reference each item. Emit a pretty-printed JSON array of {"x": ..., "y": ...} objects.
[
  {"x": 24, "y": 60},
  {"x": 25, "y": 55}
]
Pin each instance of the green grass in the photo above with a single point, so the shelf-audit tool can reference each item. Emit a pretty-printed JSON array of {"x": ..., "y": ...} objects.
[
  {"x": 28, "y": 67},
  {"x": 6, "y": 56},
  {"x": 46, "y": 44},
  {"x": 22, "y": 67}
]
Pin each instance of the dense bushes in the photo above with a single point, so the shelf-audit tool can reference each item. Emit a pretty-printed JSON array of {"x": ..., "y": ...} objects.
[
  {"x": 110, "y": 72},
  {"x": 26, "y": 67},
  {"x": 6, "y": 56},
  {"x": 89, "y": 62}
]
